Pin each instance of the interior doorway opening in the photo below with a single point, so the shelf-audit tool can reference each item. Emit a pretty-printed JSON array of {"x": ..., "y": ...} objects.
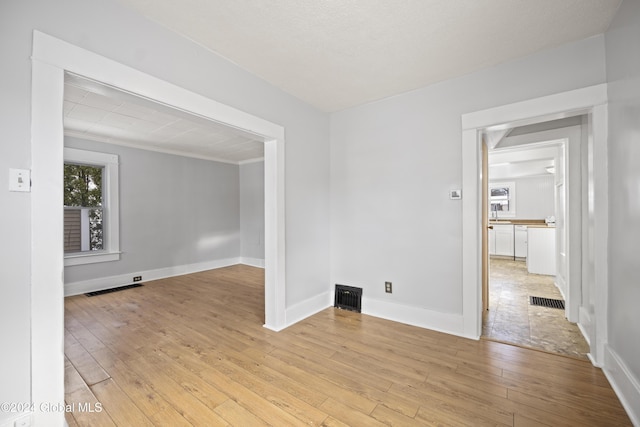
[
  {"x": 591, "y": 309},
  {"x": 52, "y": 58},
  {"x": 528, "y": 175},
  {"x": 534, "y": 193}
]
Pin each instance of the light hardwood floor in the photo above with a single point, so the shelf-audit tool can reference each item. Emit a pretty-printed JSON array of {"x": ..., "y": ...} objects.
[{"x": 191, "y": 350}]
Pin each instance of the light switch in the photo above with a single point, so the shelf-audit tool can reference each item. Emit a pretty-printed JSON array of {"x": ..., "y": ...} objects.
[{"x": 19, "y": 180}]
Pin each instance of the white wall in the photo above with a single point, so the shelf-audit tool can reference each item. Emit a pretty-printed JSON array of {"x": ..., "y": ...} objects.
[
  {"x": 623, "y": 74},
  {"x": 534, "y": 196},
  {"x": 108, "y": 29},
  {"x": 252, "y": 213},
  {"x": 174, "y": 211},
  {"x": 392, "y": 165}
]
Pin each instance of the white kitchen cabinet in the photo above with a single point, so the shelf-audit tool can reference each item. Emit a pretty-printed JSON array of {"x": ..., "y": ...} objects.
[
  {"x": 520, "y": 236},
  {"x": 541, "y": 250},
  {"x": 504, "y": 239}
]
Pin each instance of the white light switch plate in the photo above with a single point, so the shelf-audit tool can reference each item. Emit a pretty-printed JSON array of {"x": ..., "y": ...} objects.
[{"x": 19, "y": 180}]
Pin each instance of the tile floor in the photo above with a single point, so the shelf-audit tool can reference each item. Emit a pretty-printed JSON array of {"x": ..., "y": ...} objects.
[{"x": 512, "y": 319}]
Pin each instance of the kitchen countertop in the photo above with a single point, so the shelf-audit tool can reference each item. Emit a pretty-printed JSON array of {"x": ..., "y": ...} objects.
[{"x": 515, "y": 221}]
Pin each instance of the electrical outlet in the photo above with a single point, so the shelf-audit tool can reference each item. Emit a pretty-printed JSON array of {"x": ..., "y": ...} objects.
[
  {"x": 388, "y": 287},
  {"x": 23, "y": 422},
  {"x": 137, "y": 278}
]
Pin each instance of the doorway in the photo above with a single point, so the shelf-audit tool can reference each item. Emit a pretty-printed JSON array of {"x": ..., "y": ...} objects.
[
  {"x": 591, "y": 309},
  {"x": 52, "y": 58},
  {"x": 529, "y": 181}
]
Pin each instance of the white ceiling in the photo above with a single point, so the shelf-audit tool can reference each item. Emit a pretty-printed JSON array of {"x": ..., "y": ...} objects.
[
  {"x": 98, "y": 112},
  {"x": 331, "y": 54},
  {"x": 526, "y": 151},
  {"x": 338, "y": 54},
  {"x": 521, "y": 162}
]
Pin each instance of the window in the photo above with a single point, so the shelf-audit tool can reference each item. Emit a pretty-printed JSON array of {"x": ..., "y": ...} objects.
[
  {"x": 91, "y": 223},
  {"x": 502, "y": 200}
]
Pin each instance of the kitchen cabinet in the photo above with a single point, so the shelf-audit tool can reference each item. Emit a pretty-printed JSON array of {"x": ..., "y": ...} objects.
[
  {"x": 541, "y": 250},
  {"x": 520, "y": 237},
  {"x": 503, "y": 234},
  {"x": 501, "y": 239}
]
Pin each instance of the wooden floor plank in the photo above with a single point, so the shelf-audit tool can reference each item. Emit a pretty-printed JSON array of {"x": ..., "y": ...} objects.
[
  {"x": 236, "y": 415},
  {"x": 192, "y": 350},
  {"x": 126, "y": 413},
  {"x": 83, "y": 361},
  {"x": 349, "y": 415},
  {"x": 87, "y": 410}
]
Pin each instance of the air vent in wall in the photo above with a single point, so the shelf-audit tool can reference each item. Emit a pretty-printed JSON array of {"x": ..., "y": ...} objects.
[
  {"x": 108, "y": 291},
  {"x": 348, "y": 298}
]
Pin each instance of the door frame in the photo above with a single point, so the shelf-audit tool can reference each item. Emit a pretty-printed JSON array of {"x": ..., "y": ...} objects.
[
  {"x": 51, "y": 59},
  {"x": 591, "y": 100}
]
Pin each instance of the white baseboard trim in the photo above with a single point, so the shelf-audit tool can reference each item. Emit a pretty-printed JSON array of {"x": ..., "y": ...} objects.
[
  {"x": 560, "y": 287},
  {"x": 623, "y": 383},
  {"x": 254, "y": 262},
  {"x": 442, "y": 322},
  {"x": 77, "y": 288},
  {"x": 585, "y": 324},
  {"x": 307, "y": 308}
]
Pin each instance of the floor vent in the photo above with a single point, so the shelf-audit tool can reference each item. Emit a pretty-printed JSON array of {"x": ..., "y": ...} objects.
[
  {"x": 546, "y": 302},
  {"x": 348, "y": 298},
  {"x": 108, "y": 291}
]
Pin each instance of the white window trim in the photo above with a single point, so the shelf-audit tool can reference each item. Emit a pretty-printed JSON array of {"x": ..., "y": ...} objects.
[
  {"x": 110, "y": 206},
  {"x": 511, "y": 213}
]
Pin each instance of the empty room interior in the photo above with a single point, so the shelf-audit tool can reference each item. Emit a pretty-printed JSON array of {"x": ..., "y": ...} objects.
[{"x": 317, "y": 213}]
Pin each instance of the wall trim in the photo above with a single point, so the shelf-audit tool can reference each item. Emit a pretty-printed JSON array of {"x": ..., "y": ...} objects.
[
  {"x": 627, "y": 387},
  {"x": 415, "y": 316},
  {"x": 25, "y": 419},
  {"x": 306, "y": 308},
  {"x": 585, "y": 324},
  {"x": 253, "y": 262},
  {"x": 84, "y": 286}
]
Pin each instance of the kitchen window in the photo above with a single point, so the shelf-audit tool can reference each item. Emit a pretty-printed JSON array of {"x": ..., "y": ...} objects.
[
  {"x": 91, "y": 222},
  {"x": 502, "y": 200}
]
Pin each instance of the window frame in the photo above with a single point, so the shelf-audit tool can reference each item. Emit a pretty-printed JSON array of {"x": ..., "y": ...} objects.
[
  {"x": 110, "y": 206},
  {"x": 511, "y": 213}
]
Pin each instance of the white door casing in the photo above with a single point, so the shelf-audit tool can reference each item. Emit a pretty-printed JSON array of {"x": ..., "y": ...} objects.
[
  {"x": 51, "y": 59},
  {"x": 590, "y": 100}
]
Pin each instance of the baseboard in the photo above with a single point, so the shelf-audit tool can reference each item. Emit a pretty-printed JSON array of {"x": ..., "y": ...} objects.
[
  {"x": 560, "y": 288},
  {"x": 307, "y": 308},
  {"x": 585, "y": 324},
  {"x": 623, "y": 383},
  {"x": 81, "y": 287},
  {"x": 254, "y": 262},
  {"x": 436, "y": 321},
  {"x": 442, "y": 322}
]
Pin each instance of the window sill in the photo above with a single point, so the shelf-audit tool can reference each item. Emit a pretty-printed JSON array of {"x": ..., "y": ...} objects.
[{"x": 90, "y": 258}]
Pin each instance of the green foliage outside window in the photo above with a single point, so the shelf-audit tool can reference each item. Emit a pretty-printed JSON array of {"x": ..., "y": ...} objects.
[{"x": 83, "y": 189}]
